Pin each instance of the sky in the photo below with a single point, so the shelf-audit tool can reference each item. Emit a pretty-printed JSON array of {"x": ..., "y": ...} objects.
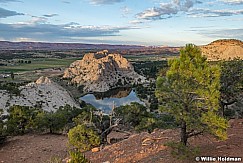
[{"x": 140, "y": 22}]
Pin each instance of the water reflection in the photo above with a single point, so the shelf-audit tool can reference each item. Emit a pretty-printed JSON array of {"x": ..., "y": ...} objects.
[
  {"x": 114, "y": 93},
  {"x": 104, "y": 101}
]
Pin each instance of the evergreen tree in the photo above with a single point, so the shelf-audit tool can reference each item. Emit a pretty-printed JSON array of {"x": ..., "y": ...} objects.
[
  {"x": 21, "y": 119},
  {"x": 83, "y": 138},
  {"x": 54, "y": 122},
  {"x": 190, "y": 92},
  {"x": 231, "y": 83},
  {"x": 2, "y": 129}
]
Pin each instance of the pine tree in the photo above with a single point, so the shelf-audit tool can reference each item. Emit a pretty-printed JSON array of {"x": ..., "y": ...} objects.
[
  {"x": 231, "y": 83},
  {"x": 190, "y": 92}
]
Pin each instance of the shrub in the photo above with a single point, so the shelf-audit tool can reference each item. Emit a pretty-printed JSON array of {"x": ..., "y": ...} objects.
[
  {"x": 2, "y": 132},
  {"x": 77, "y": 157},
  {"x": 55, "y": 160},
  {"x": 21, "y": 119},
  {"x": 83, "y": 138},
  {"x": 56, "y": 121},
  {"x": 136, "y": 116}
]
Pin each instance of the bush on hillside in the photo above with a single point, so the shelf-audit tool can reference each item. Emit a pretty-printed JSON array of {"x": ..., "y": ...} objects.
[{"x": 83, "y": 138}]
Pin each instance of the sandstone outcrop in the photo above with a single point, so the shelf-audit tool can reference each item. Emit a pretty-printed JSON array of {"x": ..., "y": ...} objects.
[
  {"x": 43, "y": 80},
  {"x": 99, "y": 72},
  {"x": 44, "y": 93},
  {"x": 223, "y": 50}
]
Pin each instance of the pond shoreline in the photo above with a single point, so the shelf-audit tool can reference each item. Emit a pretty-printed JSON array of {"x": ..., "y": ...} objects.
[{"x": 104, "y": 100}]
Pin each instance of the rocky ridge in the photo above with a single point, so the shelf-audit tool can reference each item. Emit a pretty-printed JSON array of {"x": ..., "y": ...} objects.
[
  {"x": 100, "y": 72},
  {"x": 43, "y": 93},
  {"x": 223, "y": 49}
]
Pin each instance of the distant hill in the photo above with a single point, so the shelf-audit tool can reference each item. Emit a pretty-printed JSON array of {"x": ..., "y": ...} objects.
[
  {"x": 223, "y": 49},
  {"x": 216, "y": 50},
  {"x": 6, "y": 45}
]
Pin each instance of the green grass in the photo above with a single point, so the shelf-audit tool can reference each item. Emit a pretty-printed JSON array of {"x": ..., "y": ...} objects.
[
  {"x": 44, "y": 63},
  {"x": 36, "y": 64}
]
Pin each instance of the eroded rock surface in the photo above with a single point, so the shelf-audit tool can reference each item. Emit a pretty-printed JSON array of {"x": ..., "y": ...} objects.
[
  {"x": 44, "y": 93},
  {"x": 99, "y": 72},
  {"x": 223, "y": 50}
]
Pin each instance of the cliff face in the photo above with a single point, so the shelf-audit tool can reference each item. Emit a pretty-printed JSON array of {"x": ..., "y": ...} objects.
[
  {"x": 223, "y": 50},
  {"x": 99, "y": 72}
]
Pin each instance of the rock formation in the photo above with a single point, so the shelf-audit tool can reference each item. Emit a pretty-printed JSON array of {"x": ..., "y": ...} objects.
[
  {"x": 43, "y": 80},
  {"x": 99, "y": 72},
  {"x": 44, "y": 93},
  {"x": 223, "y": 50}
]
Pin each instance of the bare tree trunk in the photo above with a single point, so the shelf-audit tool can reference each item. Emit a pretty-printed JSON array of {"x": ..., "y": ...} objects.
[
  {"x": 183, "y": 133},
  {"x": 106, "y": 132}
]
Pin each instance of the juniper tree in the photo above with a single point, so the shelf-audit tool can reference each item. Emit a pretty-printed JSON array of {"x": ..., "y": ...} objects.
[
  {"x": 190, "y": 92},
  {"x": 231, "y": 83},
  {"x": 83, "y": 137}
]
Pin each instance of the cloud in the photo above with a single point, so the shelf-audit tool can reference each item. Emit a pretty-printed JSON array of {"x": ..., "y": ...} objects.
[
  {"x": 224, "y": 33},
  {"x": 137, "y": 21},
  {"x": 125, "y": 11},
  {"x": 167, "y": 10},
  {"x": 37, "y": 20},
  {"x": 6, "y": 13},
  {"x": 233, "y": 2},
  {"x": 7, "y": 1},
  {"x": 175, "y": 7},
  {"x": 51, "y": 32},
  {"x": 213, "y": 13},
  {"x": 50, "y": 15},
  {"x": 67, "y": 2},
  {"x": 104, "y": 2},
  {"x": 156, "y": 13}
]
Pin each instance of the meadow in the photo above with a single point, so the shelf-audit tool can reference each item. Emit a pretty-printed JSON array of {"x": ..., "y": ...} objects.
[{"x": 37, "y": 64}]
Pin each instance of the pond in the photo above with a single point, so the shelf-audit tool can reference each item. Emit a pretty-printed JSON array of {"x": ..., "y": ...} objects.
[{"x": 104, "y": 101}]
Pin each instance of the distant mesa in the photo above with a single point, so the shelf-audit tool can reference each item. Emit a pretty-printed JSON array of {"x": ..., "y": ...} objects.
[
  {"x": 100, "y": 72},
  {"x": 225, "y": 49},
  {"x": 7, "y": 45}
]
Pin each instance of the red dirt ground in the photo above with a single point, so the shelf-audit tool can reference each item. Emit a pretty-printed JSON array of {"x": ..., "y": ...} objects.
[{"x": 139, "y": 148}]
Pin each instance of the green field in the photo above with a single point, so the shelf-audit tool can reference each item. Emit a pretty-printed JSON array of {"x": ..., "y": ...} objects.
[
  {"x": 44, "y": 63},
  {"x": 37, "y": 64}
]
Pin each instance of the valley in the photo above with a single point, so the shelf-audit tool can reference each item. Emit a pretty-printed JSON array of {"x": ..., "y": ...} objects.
[{"x": 117, "y": 95}]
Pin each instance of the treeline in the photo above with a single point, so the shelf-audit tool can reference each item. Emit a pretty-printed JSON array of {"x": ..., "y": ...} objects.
[
  {"x": 149, "y": 69},
  {"x": 24, "y": 61},
  {"x": 24, "y": 119},
  {"x": 26, "y": 54},
  {"x": 86, "y": 127}
]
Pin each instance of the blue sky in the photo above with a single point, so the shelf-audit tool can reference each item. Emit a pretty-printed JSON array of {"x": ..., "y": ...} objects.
[{"x": 143, "y": 22}]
